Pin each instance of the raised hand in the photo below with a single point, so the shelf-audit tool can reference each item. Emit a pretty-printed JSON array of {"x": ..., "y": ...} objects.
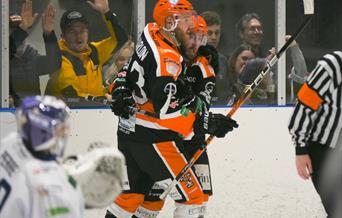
[
  {"x": 294, "y": 43},
  {"x": 28, "y": 18},
  {"x": 48, "y": 19},
  {"x": 101, "y": 6}
]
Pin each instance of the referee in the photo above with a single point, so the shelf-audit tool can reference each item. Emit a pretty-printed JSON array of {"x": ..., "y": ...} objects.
[{"x": 316, "y": 130}]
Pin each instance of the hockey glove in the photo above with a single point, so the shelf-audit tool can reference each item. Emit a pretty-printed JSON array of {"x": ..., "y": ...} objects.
[
  {"x": 214, "y": 124},
  {"x": 210, "y": 52},
  {"x": 122, "y": 100}
]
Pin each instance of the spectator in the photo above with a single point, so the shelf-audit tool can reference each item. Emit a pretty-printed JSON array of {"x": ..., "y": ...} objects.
[
  {"x": 224, "y": 85},
  {"x": 119, "y": 59},
  {"x": 26, "y": 64},
  {"x": 81, "y": 71},
  {"x": 236, "y": 62},
  {"x": 250, "y": 31}
]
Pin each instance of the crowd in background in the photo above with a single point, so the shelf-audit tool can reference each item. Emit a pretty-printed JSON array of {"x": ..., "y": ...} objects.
[{"x": 27, "y": 64}]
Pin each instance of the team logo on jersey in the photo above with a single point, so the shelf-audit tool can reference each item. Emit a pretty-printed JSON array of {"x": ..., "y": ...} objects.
[
  {"x": 170, "y": 88},
  {"x": 187, "y": 180},
  {"x": 174, "y": 104}
]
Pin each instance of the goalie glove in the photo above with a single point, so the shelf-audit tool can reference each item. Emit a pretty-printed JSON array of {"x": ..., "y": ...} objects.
[
  {"x": 214, "y": 124},
  {"x": 99, "y": 172}
]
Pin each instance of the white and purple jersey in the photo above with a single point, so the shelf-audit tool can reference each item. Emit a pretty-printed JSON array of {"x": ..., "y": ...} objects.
[{"x": 34, "y": 188}]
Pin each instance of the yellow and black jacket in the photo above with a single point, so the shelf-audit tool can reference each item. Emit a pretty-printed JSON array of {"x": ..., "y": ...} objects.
[{"x": 81, "y": 72}]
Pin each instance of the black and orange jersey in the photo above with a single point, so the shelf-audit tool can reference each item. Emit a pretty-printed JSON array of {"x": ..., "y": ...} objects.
[
  {"x": 201, "y": 78},
  {"x": 151, "y": 74},
  {"x": 200, "y": 81}
]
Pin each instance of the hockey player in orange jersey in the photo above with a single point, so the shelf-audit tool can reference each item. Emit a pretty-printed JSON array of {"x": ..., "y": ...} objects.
[{"x": 153, "y": 147}]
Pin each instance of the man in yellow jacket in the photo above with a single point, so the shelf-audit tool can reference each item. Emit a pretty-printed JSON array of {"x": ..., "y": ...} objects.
[{"x": 81, "y": 70}]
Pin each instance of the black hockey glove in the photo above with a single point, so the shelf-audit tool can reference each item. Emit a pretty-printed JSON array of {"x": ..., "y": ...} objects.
[
  {"x": 122, "y": 99},
  {"x": 214, "y": 124},
  {"x": 210, "y": 52}
]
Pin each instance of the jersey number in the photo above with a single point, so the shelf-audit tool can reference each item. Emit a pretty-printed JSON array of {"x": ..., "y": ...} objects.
[
  {"x": 5, "y": 190},
  {"x": 140, "y": 95}
]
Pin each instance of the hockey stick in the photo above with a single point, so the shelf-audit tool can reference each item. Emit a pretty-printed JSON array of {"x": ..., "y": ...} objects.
[
  {"x": 103, "y": 100},
  {"x": 308, "y": 10}
]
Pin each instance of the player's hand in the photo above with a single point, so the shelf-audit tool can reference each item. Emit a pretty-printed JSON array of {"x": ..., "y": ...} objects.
[
  {"x": 214, "y": 124},
  {"x": 304, "y": 166},
  {"x": 122, "y": 100},
  {"x": 48, "y": 19},
  {"x": 210, "y": 52},
  {"x": 101, "y": 6},
  {"x": 27, "y": 17}
]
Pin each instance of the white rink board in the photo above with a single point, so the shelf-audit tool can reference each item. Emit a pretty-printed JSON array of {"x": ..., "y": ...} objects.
[{"x": 253, "y": 169}]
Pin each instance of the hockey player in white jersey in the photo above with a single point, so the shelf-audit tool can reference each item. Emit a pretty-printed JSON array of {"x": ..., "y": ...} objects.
[{"x": 32, "y": 182}]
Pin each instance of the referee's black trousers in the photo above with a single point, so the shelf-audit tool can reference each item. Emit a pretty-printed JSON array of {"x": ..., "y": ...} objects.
[{"x": 327, "y": 177}]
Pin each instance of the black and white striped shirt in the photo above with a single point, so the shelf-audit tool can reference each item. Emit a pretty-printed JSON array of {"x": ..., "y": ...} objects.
[{"x": 317, "y": 116}]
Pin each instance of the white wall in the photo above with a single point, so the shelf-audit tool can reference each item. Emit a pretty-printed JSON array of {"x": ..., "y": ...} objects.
[{"x": 253, "y": 169}]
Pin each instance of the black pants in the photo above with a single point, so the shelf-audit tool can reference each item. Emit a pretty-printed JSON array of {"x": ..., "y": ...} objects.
[{"x": 327, "y": 177}]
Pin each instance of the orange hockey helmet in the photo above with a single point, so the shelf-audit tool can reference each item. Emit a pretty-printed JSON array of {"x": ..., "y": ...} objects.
[
  {"x": 166, "y": 8},
  {"x": 201, "y": 31},
  {"x": 201, "y": 25}
]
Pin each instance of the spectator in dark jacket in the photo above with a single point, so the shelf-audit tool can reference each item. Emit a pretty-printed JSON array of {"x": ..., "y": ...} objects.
[{"x": 26, "y": 64}]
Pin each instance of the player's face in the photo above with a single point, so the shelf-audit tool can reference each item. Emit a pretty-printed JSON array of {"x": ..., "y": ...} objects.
[
  {"x": 184, "y": 26},
  {"x": 76, "y": 37},
  {"x": 189, "y": 46},
  {"x": 242, "y": 59},
  {"x": 214, "y": 35},
  {"x": 201, "y": 39},
  {"x": 252, "y": 34}
]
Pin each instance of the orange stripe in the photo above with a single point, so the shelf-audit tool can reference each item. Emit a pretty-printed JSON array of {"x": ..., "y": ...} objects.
[
  {"x": 153, "y": 205},
  {"x": 208, "y": 72},
  {"x": 175, "y": 162},
  {"x": 180, "y": 124},
  {"x": 206, "y": 198},
  {"x": 309, "y": 97},
  {"x": 129, "y": 202}
]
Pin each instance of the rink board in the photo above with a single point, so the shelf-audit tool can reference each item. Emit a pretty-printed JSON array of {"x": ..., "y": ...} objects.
[{"x": 253, "y": 168}]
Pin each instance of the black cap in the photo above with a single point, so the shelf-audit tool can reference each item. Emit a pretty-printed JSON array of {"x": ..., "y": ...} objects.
[{"x": 70, "y": 16}]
